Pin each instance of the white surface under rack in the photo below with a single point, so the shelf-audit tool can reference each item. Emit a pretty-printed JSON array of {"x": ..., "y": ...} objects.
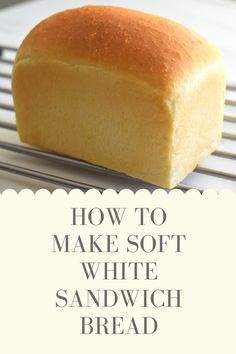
[{"x": 53, "y": 171}]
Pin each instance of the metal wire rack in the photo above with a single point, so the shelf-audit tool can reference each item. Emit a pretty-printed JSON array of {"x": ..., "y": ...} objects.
[{"x": 217, "y": 172}]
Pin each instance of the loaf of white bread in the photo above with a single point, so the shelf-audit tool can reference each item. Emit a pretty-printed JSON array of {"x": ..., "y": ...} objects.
[{"x": 133, "y": 92}]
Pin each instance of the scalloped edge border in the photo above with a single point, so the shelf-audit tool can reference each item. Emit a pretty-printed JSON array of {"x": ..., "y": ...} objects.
[{"x": 96, "y": 192}]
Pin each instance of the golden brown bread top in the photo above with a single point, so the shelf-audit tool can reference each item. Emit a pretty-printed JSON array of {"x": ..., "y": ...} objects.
[{"x": 152, "y": 48}]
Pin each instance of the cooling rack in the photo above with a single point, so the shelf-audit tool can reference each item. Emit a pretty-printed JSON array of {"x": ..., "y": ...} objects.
[{"x": 217, "y": 172}]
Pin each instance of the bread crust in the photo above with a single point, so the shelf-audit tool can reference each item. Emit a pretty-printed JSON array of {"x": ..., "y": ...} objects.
[
  {"x": 154, "y": 49},
  {"x": 130, "y": 91}
]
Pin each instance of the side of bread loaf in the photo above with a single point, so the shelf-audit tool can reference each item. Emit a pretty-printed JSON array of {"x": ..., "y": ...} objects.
[{"x": 133, "y": 92}]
